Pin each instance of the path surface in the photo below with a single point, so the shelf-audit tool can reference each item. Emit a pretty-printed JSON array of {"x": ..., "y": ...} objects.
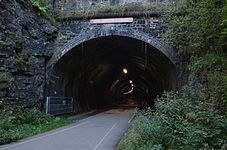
[{"x": 99, "y": 132}]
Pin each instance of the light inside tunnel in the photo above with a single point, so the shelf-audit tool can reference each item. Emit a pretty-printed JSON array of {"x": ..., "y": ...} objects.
[
  {"x": 129, "y": 91},
  {"x": 92, "y": 73},
  {"x": 125, "y": 71}
]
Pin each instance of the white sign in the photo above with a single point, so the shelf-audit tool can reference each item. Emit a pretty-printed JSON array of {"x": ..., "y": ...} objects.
[{"x": 111, "y": 20}]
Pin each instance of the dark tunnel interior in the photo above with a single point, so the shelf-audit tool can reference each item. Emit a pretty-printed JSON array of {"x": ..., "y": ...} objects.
[{"x": 113, "y": 70}]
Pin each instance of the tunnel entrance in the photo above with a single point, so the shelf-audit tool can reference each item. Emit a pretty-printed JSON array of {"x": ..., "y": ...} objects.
[{"x": 112, "y": 70}]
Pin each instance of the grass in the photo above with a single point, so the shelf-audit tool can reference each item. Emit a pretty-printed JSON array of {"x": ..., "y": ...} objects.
[
  {"x": 17, "y": 123},
  {"x": 130, "y": 7}
]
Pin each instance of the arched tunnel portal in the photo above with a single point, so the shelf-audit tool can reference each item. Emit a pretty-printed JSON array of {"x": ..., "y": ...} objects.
[{"x": 111, "y": 70}]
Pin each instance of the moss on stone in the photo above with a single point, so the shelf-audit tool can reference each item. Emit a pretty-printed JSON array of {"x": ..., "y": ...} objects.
[
  {"x": 4, "y": 78},
  {"x": 130, "y": 7}
]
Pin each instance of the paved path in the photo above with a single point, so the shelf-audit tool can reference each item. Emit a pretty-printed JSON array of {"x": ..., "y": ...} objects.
[{"x": 99, "y": 132}]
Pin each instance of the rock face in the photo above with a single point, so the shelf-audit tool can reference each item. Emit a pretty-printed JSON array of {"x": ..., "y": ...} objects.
[{"x": 26, "y": 43}]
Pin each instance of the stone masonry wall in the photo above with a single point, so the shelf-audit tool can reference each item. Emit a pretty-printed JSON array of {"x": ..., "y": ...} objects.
[
  {"x": 73, "y": 32},
  {"x": 72, "y": 5},
  {"x": 71, "y": 29},
  {"x": 26, "y": 43}
]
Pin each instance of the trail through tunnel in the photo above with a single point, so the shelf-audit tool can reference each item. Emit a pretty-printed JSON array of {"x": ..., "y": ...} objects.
[{"x": 112, "y": 70}]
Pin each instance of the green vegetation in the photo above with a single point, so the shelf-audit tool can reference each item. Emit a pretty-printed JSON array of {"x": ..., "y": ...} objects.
[
  {"x": 179, "y": 122},
  {"x": 198, "y": 31},
  {"x": 213, "y": 68},
  {"x": 42, "y": 8},
  {"x": 129, "y": 7},
  {"x": 1, "y": 102},
  {"x": 196, "y": 26},
  {"x": 18, "y": 123},
  {"x": 4, "y": 78},
  {"x": 195, "y": 118},
  {"x": 22, "y": 59}
]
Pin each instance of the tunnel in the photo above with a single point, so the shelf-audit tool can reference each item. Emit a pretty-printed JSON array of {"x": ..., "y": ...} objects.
[{"x": 112, "y": 70}]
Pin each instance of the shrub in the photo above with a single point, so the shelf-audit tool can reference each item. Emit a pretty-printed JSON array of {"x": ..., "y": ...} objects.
[
  {"x": 217, "y": 87},
  {"x": 17, "y": 123},
  {"x": 42, "y": 8},
  {"x": 212, "y": 69},
  {"x": 210, "y": 62},
  {"x": 196, "y": 26},
  {"x": 198, "y": 31},
  {"x": 177, "y": 123}
]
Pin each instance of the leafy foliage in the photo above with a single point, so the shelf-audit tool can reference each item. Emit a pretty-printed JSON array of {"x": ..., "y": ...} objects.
[
  {"x": 17, "y": 123},
  {"x": 177, "y": 123},
  {"x": 42, "y": 8},
  {"x": 195, "y": 26},
  {"x": 198, "y": 31},
  {"x": 210, "y": 62},
  {"x": 213, "y": 68},
  {"x": 224, "y": 25},
  {"x": 185, "y": 121},
  {"x": 217, "y": 87}
]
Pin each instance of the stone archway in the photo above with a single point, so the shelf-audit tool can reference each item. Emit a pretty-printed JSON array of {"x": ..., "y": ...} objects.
[
  {"x": 108, "y": 30},
  {"x": 78, "y": 74}
]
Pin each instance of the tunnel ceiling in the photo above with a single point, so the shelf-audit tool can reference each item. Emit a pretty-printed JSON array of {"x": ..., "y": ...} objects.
[{"x": 94, "y": 69}]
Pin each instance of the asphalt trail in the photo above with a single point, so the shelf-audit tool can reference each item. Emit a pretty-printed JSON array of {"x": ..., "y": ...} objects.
[{"x": 102, "y": 131}]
